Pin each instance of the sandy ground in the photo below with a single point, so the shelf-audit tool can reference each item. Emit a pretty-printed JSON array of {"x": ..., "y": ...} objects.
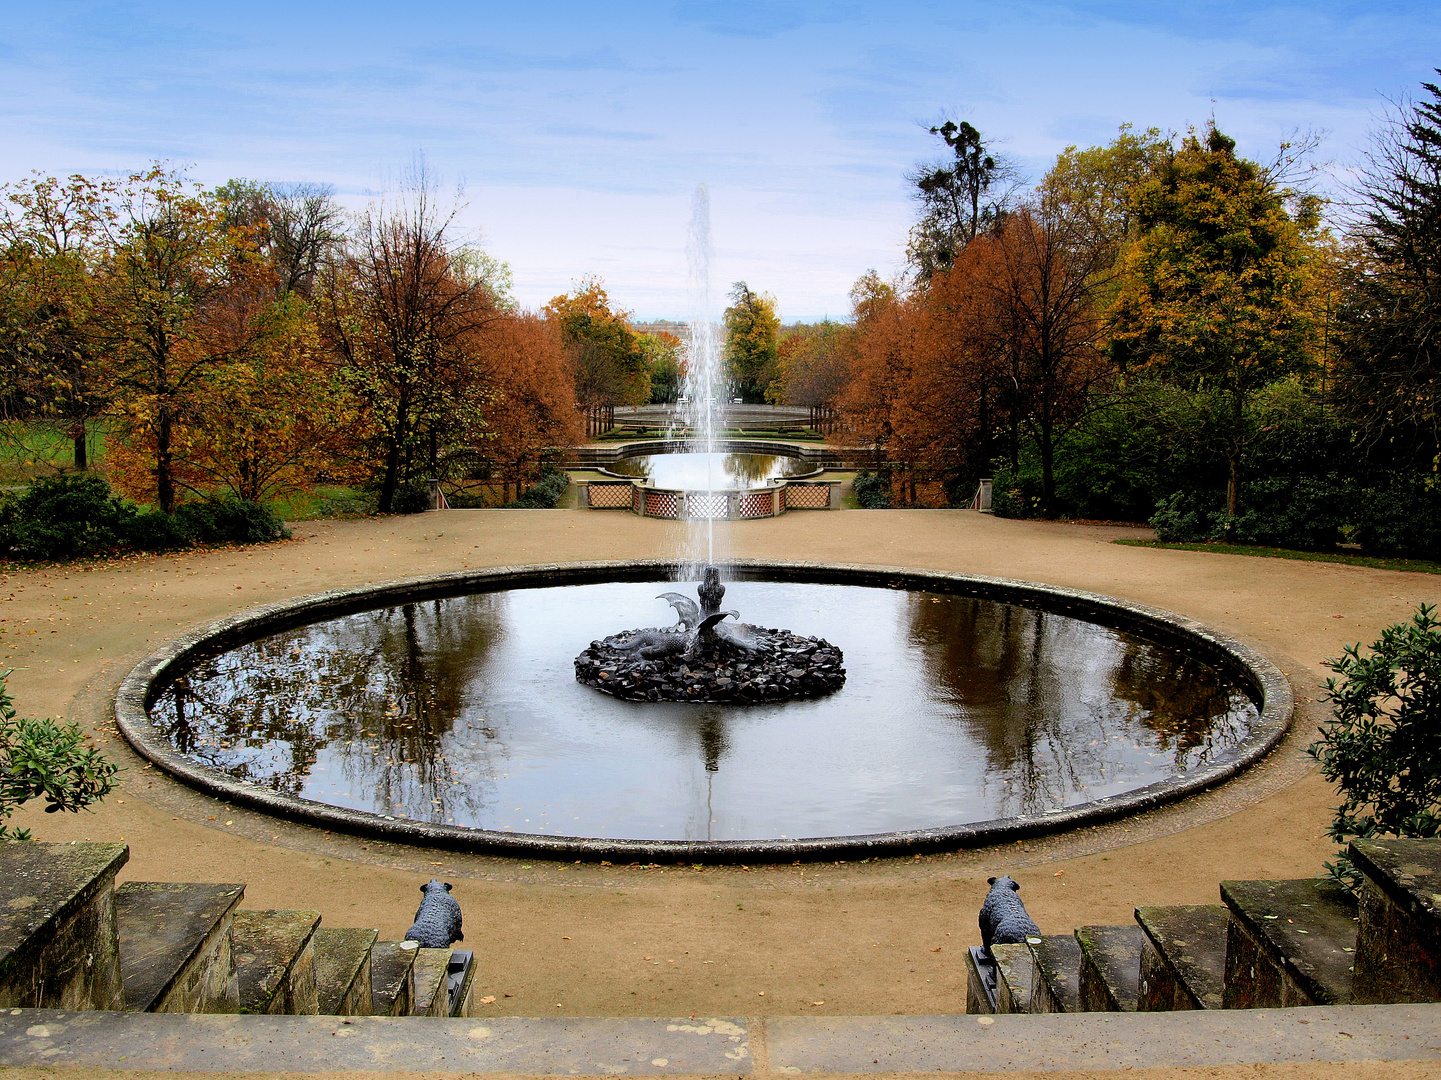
[{"x": 560, "y": 939}]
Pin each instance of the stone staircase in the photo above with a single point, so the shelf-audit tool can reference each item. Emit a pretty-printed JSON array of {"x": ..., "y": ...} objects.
[
  {"x": 70, "y": 938},
  {"x": 1268, "y": 944}
]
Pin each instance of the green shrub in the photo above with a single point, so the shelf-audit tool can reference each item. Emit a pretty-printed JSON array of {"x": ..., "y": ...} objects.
[
  {"x": 1188, "y": 517},
  {"x": 1382, "y": 746},
  {"x": 73, "y": 515},
  {"x": 1400, "y": 515},
  {"x": 546, "y": 492},
  {"x": 873, "y": 490},
  {"x": 410, "y": 498},
  {"x": 42, "y": 759},
  {"x": 226, "y": 519},
  {"x": 154, "y": 530},
  {"x": 61, "y": 517},
  {"x": 1016, "y": 493},
  {"x": 1303, "y": 512}
]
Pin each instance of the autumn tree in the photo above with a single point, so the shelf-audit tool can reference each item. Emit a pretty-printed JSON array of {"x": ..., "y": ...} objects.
[
  {"x": 885, "y": 350},
  {"x": 401, "y": 317},
  {"x": 530, "y": 404},
  {"x": 1215, "y": 291},
  {"x": 959, "y": 197},
  {"x": 1039, "y": 323},
  {"x": 275, "y": 417},
  {"x": 297, "y": 227},
  {"x": 162, "y": 315},
  {"x": 607, "y": 362},
  {"x": 752, "y": 342},
  {"x": 1389, "y": 317},
  {"x": 51, "y": 238},
  {"x": 814, "y": 363},
  {"x": 1094, "y": 187},
  {"x": 665, "y": 361}
]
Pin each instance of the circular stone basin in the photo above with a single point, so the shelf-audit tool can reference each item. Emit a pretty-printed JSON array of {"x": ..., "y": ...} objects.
[
  {"x": 446, "y": 711},
  {"x": 710, "y": 472}
]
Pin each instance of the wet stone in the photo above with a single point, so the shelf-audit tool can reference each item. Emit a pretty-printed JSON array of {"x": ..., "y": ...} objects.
[{"x": 791, "y": 667}]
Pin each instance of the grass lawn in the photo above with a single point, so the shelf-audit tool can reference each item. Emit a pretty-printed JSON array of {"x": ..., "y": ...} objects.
[
  {"x": 326, "y": 501},
  {"x": 40, "y": 448},
  {"x": 1420, "y": 566}
]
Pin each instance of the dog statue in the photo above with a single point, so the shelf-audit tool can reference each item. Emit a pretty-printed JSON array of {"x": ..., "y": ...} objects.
[
  {"x": 1004, "y": 920},
  {"x": 437, "y": 920}
]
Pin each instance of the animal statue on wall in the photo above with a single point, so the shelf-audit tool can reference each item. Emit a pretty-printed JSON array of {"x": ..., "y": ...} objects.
[
  {"x": 437, "y": 920},
  {"x": 1004, "y": 919}
]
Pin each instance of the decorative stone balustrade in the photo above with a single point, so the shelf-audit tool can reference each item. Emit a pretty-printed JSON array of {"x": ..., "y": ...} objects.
[{"x": 679, "y": 504}]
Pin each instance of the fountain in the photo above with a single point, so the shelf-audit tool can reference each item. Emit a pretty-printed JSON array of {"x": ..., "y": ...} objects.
[
  {"x": 702, "y": 658},
  {"x": 705, "y": 659}
]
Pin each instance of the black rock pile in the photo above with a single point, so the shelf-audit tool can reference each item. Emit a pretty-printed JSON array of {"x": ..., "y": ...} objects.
[{"x": 787, "y": 667}]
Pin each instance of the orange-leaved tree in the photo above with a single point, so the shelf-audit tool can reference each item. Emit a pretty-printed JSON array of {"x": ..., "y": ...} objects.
[
  {"x": 531, "y": 408},
  {"x": 166, "y": 292}
]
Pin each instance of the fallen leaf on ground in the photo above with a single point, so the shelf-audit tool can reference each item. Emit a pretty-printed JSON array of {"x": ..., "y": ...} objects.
[{"x": 489, "y": 999}]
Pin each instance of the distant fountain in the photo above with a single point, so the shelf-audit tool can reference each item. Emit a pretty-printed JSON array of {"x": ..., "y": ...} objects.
[{"x": 704, "y": 384}]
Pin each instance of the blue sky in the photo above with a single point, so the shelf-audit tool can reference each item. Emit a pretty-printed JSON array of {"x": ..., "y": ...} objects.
[{"x": 579, "y": 131}]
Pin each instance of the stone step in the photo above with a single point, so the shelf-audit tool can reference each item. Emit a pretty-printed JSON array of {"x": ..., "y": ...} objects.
[
  {"x": 1288, "y": 943},
  {"x": 1183, "y": 964},
  {"x": 430, "y": 995},
  {"x": 57, "y": 925},
  {"x": 1057, "y": 986},
  {"x": 1015, "y": 974},
  {"x": 175, "y": 946},
  {"x": 391, "y": 989},
  {"x": 1110, "y": 967},
  {"x": 342, "y": 970},
  {"x": 275, "y": 962},
  {"x": 1398, "y": 949}
]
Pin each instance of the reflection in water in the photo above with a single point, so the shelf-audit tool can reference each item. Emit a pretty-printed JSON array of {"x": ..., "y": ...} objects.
[
  {"x": 464, "y": 711},
  {"x": 710, "y": 471}
]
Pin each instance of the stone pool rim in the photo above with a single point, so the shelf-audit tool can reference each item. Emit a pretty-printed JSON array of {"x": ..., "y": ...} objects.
[{"x": 1266, "y": 683}]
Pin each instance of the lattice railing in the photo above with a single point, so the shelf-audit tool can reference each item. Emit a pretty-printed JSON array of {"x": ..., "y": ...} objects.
[
  {"x": 662, "y": 504},
  {"x": 702, "y": 504},
  {"x": 610, "y": 495},
  {"x": 754, "y": 504},
  {"x": 808, "y": 496}
]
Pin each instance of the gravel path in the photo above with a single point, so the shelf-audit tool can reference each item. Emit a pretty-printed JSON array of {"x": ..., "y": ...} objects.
[{"x": 858, "y": 938}]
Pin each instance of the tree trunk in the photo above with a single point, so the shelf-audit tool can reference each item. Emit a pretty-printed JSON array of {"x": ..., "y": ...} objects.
[
  {"x": 1233, "y": 486},
  {"x": 164, "y": 463},
  {"x": 388, "y": 481},
  {"x": 1233, "y": 466},
  {"x": 1048, "y": 470},
  {"x": 79, "y": 441}
]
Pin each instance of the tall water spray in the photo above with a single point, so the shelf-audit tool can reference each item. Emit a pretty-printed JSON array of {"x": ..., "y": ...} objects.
[{"x": 703, "y": 383}]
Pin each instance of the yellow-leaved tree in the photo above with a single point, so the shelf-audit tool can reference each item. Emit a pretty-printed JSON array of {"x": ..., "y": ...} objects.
[{"x": 1215, "y": 295}]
